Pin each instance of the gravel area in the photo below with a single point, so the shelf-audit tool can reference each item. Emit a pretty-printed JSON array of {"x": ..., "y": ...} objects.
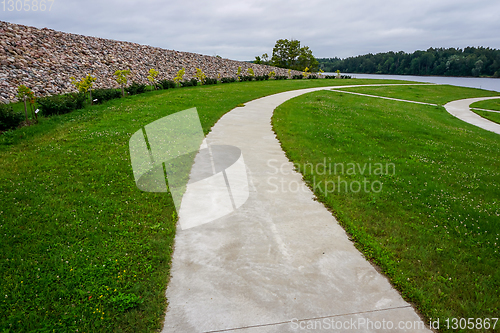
[{"x": 45, "y": 59}]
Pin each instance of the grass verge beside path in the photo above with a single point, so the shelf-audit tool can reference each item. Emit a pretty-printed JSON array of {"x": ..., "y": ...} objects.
[
  {"x": 82, "y": 248},
  {"x": 493, "y": 104},
  {"x": 430, "y": 221},
  {"x": 494, "y": 117},
  {"x": 435, "y": 94}
]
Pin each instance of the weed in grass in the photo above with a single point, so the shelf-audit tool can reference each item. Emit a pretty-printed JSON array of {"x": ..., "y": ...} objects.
[{"x": 125, "y": 302}]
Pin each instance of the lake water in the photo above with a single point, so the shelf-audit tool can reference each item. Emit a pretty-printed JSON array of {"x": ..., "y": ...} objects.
[{"x": 470, "y": 82}]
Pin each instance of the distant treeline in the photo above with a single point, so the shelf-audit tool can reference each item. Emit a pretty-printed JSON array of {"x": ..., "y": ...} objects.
[{"x": 470, "y": 61}]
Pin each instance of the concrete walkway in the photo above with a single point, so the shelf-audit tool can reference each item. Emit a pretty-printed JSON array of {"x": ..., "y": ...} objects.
[
  {"x": 461, "y": 110},
  {"x": 280, "y": 262}
]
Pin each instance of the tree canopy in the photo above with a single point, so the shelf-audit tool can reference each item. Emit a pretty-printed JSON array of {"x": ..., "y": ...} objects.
[
  {"x": 470, "y": 61},
  {"x": 289, "y": 54}
]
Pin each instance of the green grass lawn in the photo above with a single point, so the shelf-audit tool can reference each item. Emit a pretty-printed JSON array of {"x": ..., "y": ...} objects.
[
  {"x": 433, "y": 225},
  {"x": 82, "y": 248},
  {"x": 495, "y": 117},
  {"x": 435, "y": 94},
  {"x": 493, "y": 104}
]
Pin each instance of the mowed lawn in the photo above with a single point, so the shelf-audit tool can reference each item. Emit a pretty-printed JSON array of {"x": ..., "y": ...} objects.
[
  {"x": 440, "y": 96},
  {"x": 82, "y": 248},
  {"x": 431, "y": 220},
  {"x": 493, "y": 104},
  {"x": 429, "y": 93}
]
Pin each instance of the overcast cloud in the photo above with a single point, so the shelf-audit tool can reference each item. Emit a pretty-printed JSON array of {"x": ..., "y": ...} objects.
[{"x": 241, "y": 30}]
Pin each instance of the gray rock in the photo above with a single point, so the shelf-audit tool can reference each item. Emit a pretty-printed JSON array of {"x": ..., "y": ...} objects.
[{"x": 57, "y": 56}]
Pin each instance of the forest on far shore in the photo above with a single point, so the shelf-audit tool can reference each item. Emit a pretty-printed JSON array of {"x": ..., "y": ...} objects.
[{"x": 470, "y": 61}]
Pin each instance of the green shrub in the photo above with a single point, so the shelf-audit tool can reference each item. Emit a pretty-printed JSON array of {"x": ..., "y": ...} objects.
[
  {"x": 190, "y": 83},
  {"x": 312, "y": 76},
  {"x": 297, "y": 77},
  {"x": 136, "y": 88},
  {"x": 8, "y": 137},
  {"x": 60, "y": 104},
  {"x": 103, "y": 95},
  {"x": 78, "y": 99},
  {"x": 246, "y": 78},
  {"x": 329, "y": 77},
  {"x": 167, "y": 84},
  {"x": 210, "y": 81},
  {"x": 262, "y": 77},
  {"x": 227, "y": 79},
  {"x": 281, "y": 77},
  {"x": 187, "y": 83},
  {"x": 8, "y": 118}
]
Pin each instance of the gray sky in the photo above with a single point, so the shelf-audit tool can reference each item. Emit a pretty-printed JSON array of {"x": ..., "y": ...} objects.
[{"x": 241, "y": 30}]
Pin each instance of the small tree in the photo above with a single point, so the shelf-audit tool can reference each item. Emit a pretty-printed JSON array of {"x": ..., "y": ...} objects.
[
  {"x": 305, "y": 73},
  {"x": 178, "y": 77},
  {"x": 272, "y": 74},
  {"x": 265, "y": 59},
  {"x": 153, "y": 73},
  {"x": 250, "y": 72},
  {"x": 24, "y": 93},
  {"x": 289, "y": 73},
  {"x": 238, "y": 73},
  {"x": 84, "y": 86},
  {"x": 200, "y": 75},
  {"x": 32, "y": 101},
  {"x": 321, "y": 72},
  {"x": 122, "y": 79},
  {"x": 338, "y": 74}
]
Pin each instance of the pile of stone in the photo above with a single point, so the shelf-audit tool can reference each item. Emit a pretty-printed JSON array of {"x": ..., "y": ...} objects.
[{"x": 44, "y": 60}]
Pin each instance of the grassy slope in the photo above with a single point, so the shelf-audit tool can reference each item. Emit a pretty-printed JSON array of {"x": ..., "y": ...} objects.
[
  {"x": 493, "y": 104},
  {"x": 79, "y": 240},
  {"x": 433, "y": 228},
  {"x": 436, "y": 94},
  {"x": 488, "y": 105},
  {"x": 495, "y": 117}
]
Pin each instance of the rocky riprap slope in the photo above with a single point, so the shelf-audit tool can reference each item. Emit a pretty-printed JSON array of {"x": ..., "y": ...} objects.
[{"x": 44, "y": 60}]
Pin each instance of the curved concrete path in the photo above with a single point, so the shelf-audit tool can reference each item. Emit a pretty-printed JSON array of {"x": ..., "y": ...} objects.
[
  {"x": 461, "y": 110},
  {"x": 281, "y": 261}
]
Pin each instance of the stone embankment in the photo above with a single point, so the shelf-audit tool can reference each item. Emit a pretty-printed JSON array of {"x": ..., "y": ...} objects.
[{"x": 44, "y": 60}]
